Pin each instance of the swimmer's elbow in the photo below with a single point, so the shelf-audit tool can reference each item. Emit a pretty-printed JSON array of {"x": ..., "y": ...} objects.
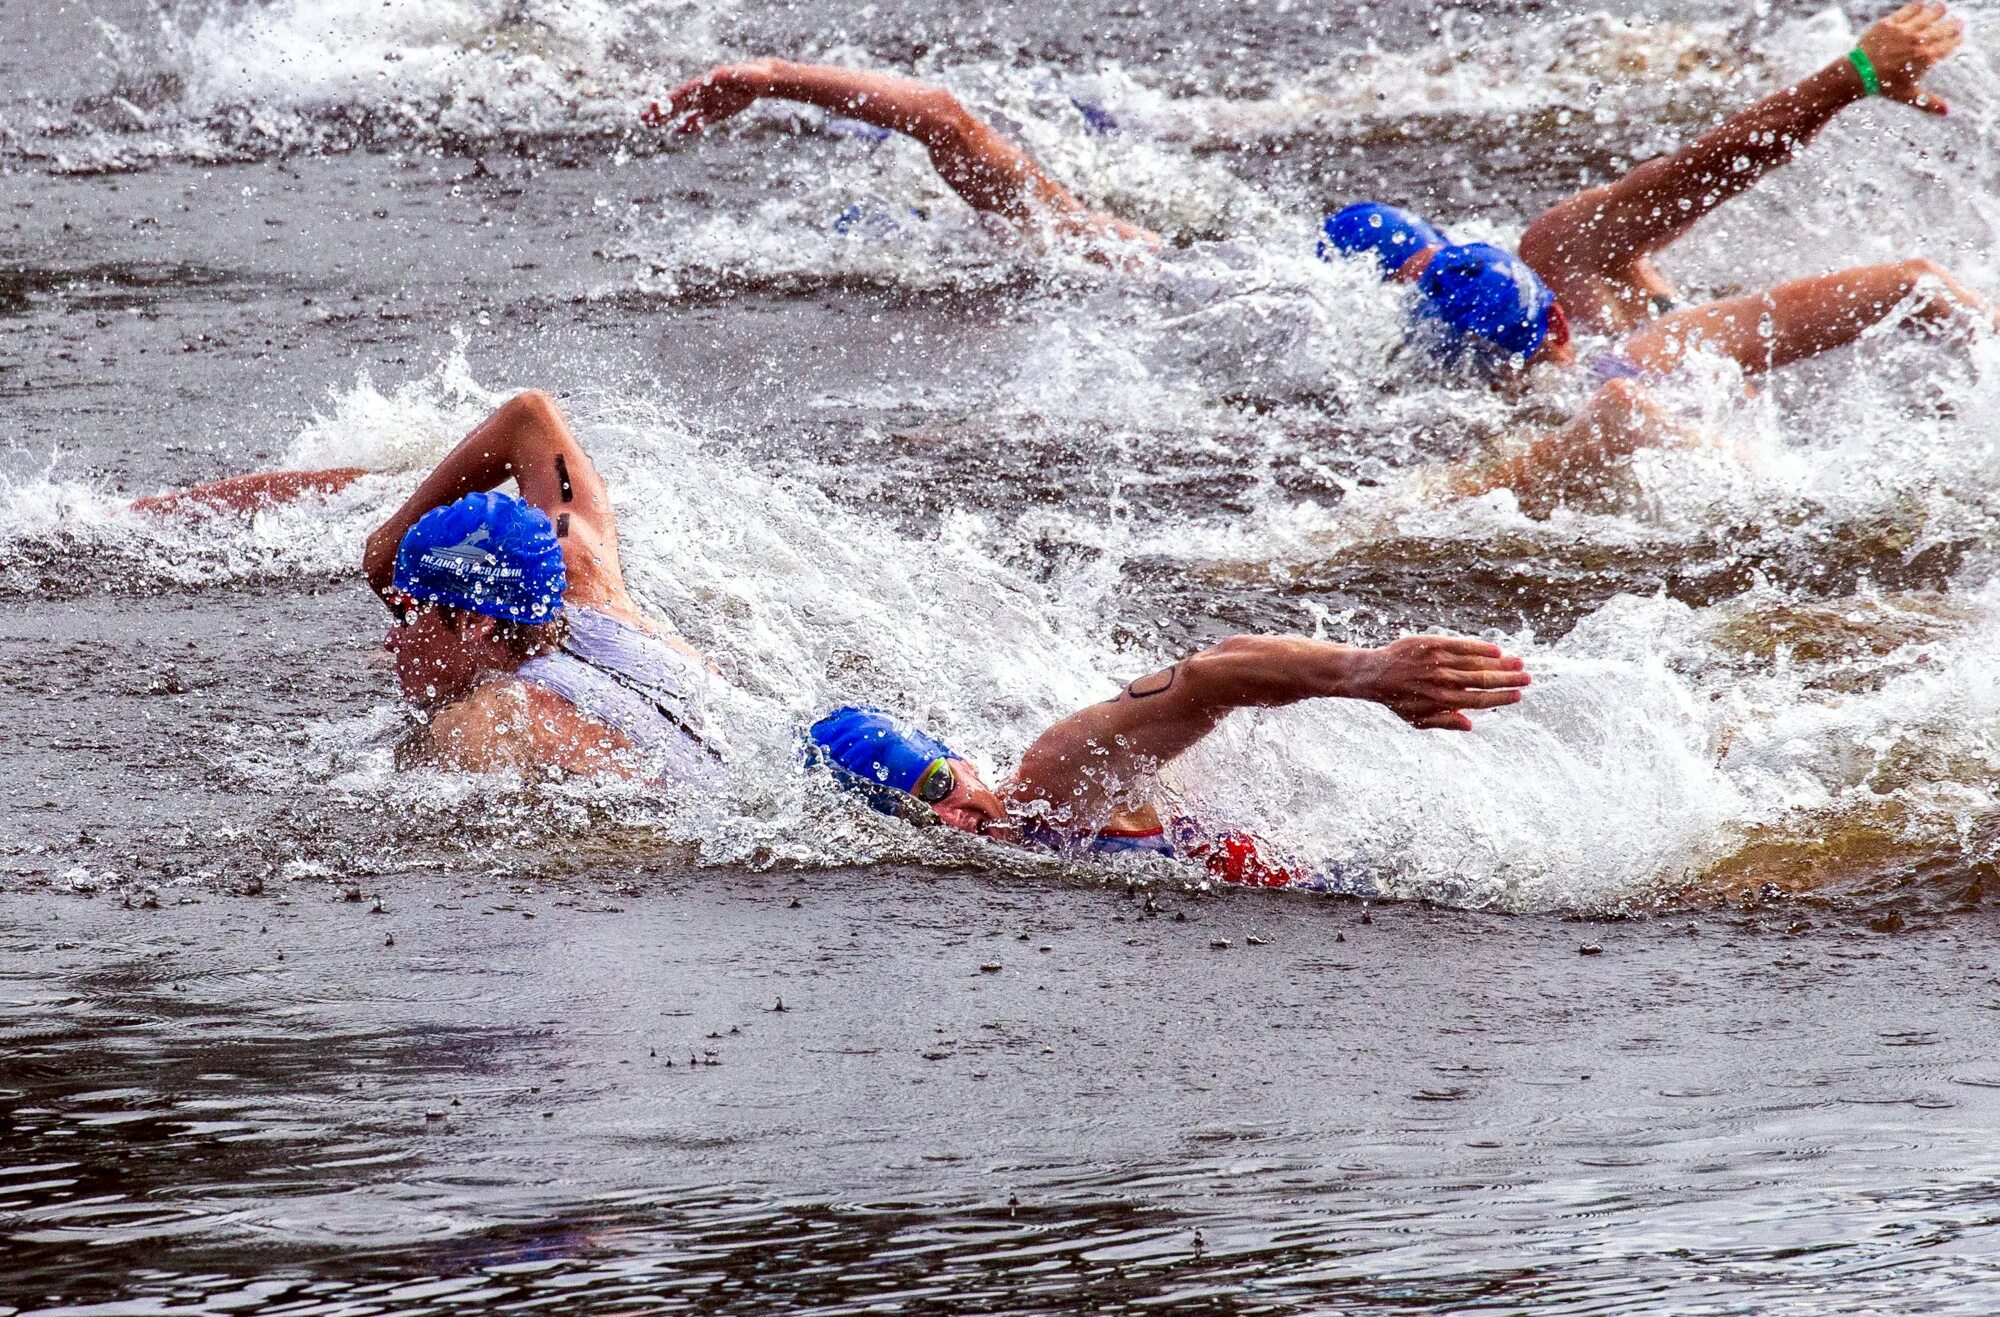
[
  {"x": 938, "y": 117},
  {"x": 538, "y": 427},
  {"x": 535, "y": 404}
]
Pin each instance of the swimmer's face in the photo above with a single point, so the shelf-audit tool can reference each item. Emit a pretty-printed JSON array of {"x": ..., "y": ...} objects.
[
  {"x": 1556, "y": 348},
  {"x": 972, "y": 806},
  {"x": 440, "y": 656}
]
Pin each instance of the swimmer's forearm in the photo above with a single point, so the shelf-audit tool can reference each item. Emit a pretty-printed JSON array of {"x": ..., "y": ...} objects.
[
  {"x": 1772, "y": 130},
  {"x": 1900, "y": 49},
  {"x": 1267, "y": 672},
  {"x": 902, "y": 105},
  {"x": 1427, "y": 681},
  {"x": 1424, "y": 680},
  {"x": 1750, "y": 144}
]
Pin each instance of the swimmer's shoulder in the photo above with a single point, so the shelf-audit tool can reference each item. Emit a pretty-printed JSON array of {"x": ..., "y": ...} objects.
[
  {"x": 621, "y": 609},
  {"x": 507, "y": 723}
]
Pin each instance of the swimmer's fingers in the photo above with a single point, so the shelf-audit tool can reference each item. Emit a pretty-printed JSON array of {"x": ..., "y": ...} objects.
[
  {"x": 1486, "y": 679},
  {"x": 1928, "y": 102},
  {"x": 1474, "y": 663},
  {"x": 1461, "y": 698},
  {"x": 1441, "y": 697},
  {"x": 1442, "y": 707}
]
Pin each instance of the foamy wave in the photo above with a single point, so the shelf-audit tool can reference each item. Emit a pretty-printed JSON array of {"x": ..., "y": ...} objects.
[
  {"x": 299, "y": 75},
  {"x": 65, "y": 535},
  {"x": 1651, "y": 744},
  {"x": 1596, "y": 65},
  {"x": 303, "y": 75}
]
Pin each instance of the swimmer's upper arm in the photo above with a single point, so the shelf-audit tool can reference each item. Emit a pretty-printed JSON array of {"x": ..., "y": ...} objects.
[
  {"x": 557, "y": 476},
  {"x": 478, "y": 734},
  {"x": 1081, "y": 762}
]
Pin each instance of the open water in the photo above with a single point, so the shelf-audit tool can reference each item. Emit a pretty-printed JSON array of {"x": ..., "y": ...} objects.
[{"x": 284, "y": 1030}]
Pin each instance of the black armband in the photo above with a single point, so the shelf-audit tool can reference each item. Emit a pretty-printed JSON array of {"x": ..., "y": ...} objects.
[{"x": 1155, "y": 683}]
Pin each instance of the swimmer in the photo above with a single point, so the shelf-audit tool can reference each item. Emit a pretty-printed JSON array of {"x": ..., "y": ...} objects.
[
  {"x": 513, "y": 631},
  {"x": 992, "y": 174},
  {"x": 1084, "y": 785},
  {"x": 1587, "y": 262}
]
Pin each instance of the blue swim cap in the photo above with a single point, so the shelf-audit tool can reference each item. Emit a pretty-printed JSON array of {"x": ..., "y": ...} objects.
[
  {"x": 870, "y": 750},
  {"x": 869, "y": 220},
  {"x": 1393, "y": 236},
  {"x": 1096, "y": 118},
  {"x": 489, "y": 553},
  {"x": 867, "y": 132},
  {"x": 1479, "y": 291}
]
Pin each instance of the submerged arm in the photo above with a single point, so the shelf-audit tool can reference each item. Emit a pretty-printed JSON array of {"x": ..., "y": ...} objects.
[
  {"x": 1082, "y": 762},
  {"x": 526, "y": 440},
  {"x": 987, "y": 170}
]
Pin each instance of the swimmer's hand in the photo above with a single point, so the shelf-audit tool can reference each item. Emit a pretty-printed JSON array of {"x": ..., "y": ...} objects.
[
  {"x": 1428, "y": 680},
  {"x": 711, "y": 98},
  {"x": 1906, "y": 45}
]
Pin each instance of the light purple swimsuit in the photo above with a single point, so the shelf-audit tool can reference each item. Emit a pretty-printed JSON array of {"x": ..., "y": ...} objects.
[
  {"x": 1614, "y": 365},
  {"x": 639, "y": 685}
]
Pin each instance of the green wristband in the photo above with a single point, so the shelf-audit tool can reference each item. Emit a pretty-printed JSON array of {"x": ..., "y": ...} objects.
[{"x": 1870, "y": 84}]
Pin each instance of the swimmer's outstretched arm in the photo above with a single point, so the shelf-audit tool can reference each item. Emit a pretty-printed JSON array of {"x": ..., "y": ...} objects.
[
  {"x": 1602, "y": 236},
  {"x": 1083, "y": 762},
  {"x": 250, "y": 493},
  {"x": 1804, "y": 317},
  {"x": 528, "y": 441},
  {"x": 986, "y": 169}
]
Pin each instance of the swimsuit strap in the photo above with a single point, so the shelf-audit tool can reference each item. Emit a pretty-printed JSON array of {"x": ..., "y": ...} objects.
[
  {"x": 657, "y": 697},
  {"x": 625, "y": 678}
]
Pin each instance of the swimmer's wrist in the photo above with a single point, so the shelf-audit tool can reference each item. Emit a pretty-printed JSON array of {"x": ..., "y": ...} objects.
[
  {"x": 1864, "y": 69},
  {"x": 1352, "y": 672}
]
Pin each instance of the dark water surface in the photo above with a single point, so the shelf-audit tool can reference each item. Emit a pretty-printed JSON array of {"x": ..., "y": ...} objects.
[
  {"x": 1405, "y": 1109},
  {"x": 283, "y": 1031}
]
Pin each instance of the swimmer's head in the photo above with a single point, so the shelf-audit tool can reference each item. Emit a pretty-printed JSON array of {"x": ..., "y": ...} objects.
[
  {"x": 901, "y": 771},
  {"x": 479, "y": 587},
  {"x": 1482, "y": 304},
  {"x": 1389, "y": 234},
  {"x": 488, "y": 553}
]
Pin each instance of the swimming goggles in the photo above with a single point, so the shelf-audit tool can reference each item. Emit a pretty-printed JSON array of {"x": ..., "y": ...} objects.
[{"x": 937, "y": 782}]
